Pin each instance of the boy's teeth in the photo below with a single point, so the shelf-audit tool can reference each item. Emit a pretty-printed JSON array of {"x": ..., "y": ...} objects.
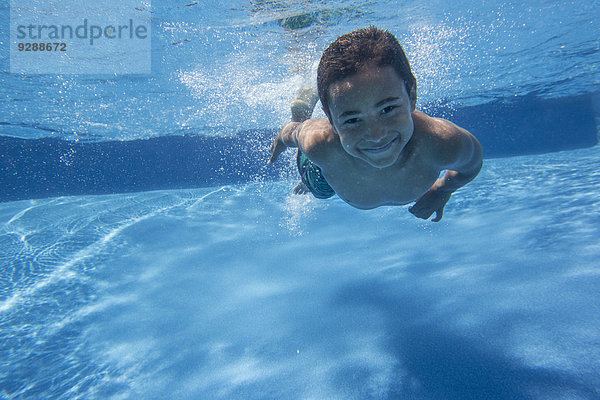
[{"x": 380, "y": 148}]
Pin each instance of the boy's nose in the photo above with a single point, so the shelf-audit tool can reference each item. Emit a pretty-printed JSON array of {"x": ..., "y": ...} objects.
[{"x": 376, "y": 133}]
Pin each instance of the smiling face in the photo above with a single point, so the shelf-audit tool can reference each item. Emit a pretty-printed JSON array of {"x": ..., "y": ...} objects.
[{"x": 371, "y": 113}]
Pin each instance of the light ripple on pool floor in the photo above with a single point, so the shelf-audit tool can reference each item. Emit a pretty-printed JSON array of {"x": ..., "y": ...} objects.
[{"x": 247, "y": 291}]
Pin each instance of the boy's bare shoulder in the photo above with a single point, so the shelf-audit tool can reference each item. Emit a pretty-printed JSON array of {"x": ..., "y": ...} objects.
[
  {"x": 318, "y": 139},
  {"x": 442, "y": 141}
]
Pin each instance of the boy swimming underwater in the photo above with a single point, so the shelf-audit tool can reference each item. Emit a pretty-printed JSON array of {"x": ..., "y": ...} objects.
[{"x": 374, "y": 149}]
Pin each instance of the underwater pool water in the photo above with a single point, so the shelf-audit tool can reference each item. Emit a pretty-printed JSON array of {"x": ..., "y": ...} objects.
[
  {"x": 244, "y": 291},
  {"x": 250, "y": 292}
]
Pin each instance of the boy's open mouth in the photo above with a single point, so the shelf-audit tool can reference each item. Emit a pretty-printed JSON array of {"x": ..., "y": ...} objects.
[{"x": 379, "y": 149}]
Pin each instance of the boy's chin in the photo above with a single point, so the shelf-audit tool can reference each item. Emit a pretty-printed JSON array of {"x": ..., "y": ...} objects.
[{"x": 381, "y": 162}]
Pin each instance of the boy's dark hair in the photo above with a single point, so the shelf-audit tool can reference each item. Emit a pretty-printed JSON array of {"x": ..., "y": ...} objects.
[{"x": 353, "y": 51}]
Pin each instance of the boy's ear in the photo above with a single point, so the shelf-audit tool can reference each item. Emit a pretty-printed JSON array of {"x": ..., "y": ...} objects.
[
  {"x": 328, "y": 117},
  {"x": 413, "y": 97}
]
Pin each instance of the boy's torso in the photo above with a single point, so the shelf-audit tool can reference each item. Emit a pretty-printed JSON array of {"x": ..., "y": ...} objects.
[{"x": 364, "y": 186}]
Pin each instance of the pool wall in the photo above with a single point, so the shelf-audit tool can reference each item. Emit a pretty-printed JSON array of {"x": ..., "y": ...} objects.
[{"x": 46, "y": 167}]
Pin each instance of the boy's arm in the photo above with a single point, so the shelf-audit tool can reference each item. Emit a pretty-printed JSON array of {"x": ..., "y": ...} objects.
[
  {"x": 287, "y": 137},
  {"x": 311, "y": 136},
  {"x": 462, "y": 157}
]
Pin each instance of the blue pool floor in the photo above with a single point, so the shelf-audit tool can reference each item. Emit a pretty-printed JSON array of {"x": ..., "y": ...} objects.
[{"x": 248, "y": 292}]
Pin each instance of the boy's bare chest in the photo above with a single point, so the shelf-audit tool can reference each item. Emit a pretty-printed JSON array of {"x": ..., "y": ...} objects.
[{"x": 371, "y": 187}]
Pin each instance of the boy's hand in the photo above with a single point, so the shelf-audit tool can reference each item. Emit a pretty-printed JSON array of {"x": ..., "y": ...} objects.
[
  {"x": 277, "y": 147},
  {"x": 433, "y": 201},
  {"x": 279, "y": 144}
]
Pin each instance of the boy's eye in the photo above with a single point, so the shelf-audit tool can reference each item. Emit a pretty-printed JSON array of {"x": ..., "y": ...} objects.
[
  {"x": 351, "y": 121},
  {"x": 388, "y": 109}
]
